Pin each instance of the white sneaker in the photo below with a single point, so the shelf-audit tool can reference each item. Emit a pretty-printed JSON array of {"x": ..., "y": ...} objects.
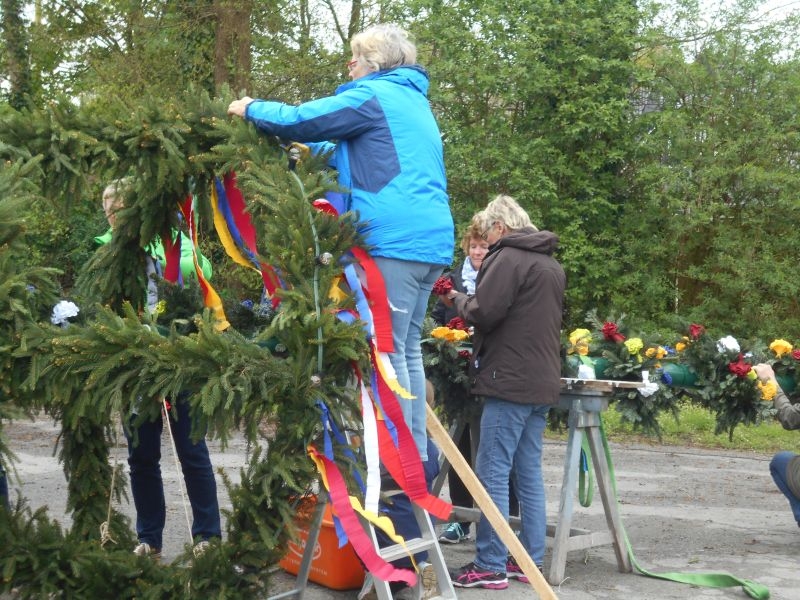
[
  {"x": 145, "y": 549},
  {"x": 201, "y": 548},
  {"x": 430, "y": 584}
]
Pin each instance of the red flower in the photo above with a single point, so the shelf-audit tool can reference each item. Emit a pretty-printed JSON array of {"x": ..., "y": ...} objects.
[
  {"x": 695, "y": 331},
  {"x": 443, "y": 285},
  {"x": 458, "y": 323},
  {"x": 796, "y": 354},
  {"x": 611, "y": 333},
  {"x": 465, "y": 354},
  {"x": 740, "y": 368}
]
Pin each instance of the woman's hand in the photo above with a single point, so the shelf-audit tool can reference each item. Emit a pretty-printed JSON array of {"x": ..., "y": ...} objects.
[
  {"x": 239, "y": 107},
  {"x": 765, "y": 372}
]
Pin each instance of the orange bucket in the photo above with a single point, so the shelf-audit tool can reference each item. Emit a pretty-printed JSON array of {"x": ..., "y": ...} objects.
[{"x": 333, "y": 567}]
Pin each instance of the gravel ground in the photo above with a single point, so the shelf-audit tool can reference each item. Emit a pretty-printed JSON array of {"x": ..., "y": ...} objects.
[{"x": 685, "y": 510}]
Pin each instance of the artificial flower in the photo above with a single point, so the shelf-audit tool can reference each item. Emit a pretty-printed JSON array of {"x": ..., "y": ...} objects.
[
  {"x": 768, "y": 390},
  {"x": 63, "y": 311},
  {"x": 443, "y": 286},
  {"x": 634, "y": 345},
  {"x": 728, "y": 344},
  {"x": 780, "y": 347},
  {"x": 611, "y": 332},
  {"x": 740, "y": 368},
  {"x": 451, "y": 335},
  {"x": 457, "y": 323},
  {"x": 161, "y": 307},
  {"x": 579, "y": 341},
  {"x": 796, "y": 354},
  {"x": 680, "y": 346},
  {"x": 695, "y": 330},
  {"x": 657, "y": 352}
]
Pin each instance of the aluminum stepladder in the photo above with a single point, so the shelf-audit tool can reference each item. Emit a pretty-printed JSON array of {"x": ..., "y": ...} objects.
[{"x": 427, "y": 541}]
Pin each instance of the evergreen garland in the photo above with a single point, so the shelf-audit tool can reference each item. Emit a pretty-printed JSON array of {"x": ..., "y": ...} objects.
[{"x": 88, "y": 375}]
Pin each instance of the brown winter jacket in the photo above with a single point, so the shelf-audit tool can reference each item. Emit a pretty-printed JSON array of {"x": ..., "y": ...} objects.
[{"x": 516, "y": 312}]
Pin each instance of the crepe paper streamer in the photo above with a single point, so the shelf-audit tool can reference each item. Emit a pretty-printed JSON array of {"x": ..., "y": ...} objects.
[
  {"x": 375, "y": 291},
  {"x": 172, "y": 254},
  {"x": 403, "y": 461},
  {"x": 210, "y": 297},
  {"x": 237, "y": 234},
  {"x": 360, "y": 541},
  {"x": 371, "y": 450}
]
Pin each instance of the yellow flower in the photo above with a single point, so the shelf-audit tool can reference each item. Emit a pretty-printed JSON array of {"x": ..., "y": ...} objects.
[
  {"x": 780, "y": 347},
  {"x": 580, "y": 340},
  {"x": 458, "y": 335},
  {"x": 681, "y": 346},
  {"x": 161, "y": 307},
  {"x": 450, "y": 335},
  {"x": 440, "y": 332},
  {"x": 657, "y": 352},
  {"x": 634, "y": 345},
  {"x": 768, "y": 390}
]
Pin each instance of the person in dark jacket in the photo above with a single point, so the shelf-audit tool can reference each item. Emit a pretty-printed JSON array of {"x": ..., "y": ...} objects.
[
  {"x": 463, "y": 278},
  {"x": 388, "y": 155},
  {"x": 516, "y": 367},
  {"x": 784, "y": 466}
]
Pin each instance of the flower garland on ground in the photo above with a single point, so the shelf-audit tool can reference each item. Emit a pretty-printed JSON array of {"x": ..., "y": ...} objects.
[{"x": 715, "y": 373}]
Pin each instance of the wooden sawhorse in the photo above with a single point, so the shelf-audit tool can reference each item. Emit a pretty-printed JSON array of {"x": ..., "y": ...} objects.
[{"x": 585, "y": 399}]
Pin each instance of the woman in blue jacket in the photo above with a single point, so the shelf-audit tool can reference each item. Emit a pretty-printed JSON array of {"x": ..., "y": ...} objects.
[{"x": 388, "y": 154}]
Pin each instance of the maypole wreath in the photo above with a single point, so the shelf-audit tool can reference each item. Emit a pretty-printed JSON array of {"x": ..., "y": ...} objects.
[{"x": 288, "y": 386}]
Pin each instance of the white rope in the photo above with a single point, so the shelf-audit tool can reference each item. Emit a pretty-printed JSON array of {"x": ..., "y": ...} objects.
[
  {"x": 177, "y": 467},
  {"x": 105, "y": 526}
]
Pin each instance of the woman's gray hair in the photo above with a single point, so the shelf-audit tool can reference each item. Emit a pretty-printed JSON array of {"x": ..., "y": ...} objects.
[
  {"x": 505, "y": 210},
  {"x": 384, "y": 46}
]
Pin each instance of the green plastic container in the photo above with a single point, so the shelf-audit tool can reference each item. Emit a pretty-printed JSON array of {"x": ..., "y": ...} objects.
[
  {"x": 787, "y": 383},
  {"x": 681, "y": 375}
]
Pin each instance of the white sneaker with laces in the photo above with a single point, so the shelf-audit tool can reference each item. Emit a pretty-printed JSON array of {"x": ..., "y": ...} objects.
[{"x": 145, "y": 549}]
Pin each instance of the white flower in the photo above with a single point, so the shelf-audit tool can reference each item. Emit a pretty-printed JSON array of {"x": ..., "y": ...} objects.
[
  {"x": 63, "y": 311},
  {"x": 728, "y": 344}
]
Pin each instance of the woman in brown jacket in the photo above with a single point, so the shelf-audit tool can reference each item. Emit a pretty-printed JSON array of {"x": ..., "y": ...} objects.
[{"x": 516, "y": 368}]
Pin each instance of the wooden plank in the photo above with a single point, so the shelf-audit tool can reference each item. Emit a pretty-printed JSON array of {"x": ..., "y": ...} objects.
[
  {"x": 481, "y": 497},
  {"x": 599, "y": 385}
]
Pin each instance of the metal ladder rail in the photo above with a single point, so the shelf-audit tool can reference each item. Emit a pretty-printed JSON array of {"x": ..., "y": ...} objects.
[{"x": 427, "y": 541}]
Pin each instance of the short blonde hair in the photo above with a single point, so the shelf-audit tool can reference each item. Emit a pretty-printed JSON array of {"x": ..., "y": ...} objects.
[
  {"x": 503, "y": 209},
  {"x": 473, "y": 232},
  {"x": 384, "y": 46}
]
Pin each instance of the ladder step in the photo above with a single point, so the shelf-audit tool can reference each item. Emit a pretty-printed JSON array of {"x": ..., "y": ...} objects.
[{"x": 412, "y": 546}]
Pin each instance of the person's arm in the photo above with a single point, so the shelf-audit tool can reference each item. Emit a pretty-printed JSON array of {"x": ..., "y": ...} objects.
[
  {"x": 788, "y": 413},
  {"x": 345, "y": 115},
  {"x": 495, "y": 293}
]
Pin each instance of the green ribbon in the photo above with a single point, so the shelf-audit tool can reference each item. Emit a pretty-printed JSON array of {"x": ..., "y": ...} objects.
[{"x": 713, "y": 580}]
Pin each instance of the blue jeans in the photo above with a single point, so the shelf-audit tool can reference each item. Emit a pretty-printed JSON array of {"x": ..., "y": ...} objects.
[
  {"x": 777, "y": 468},
  {"x": 3, "y": 488},
  {"x": 511, "y": 445},
  {"x": 408, "y": 287},
  {"x": 147, "y": 486}
]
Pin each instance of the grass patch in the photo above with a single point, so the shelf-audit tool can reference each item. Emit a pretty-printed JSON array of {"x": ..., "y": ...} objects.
[{"x": 695, "y": 427}]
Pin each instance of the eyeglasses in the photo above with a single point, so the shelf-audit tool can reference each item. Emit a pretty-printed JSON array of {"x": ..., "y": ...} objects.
[
  {"x": 485, "y": 234},
  {"x": 351, "y": 64}
]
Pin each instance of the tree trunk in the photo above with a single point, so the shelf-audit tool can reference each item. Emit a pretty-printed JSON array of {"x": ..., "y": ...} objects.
[
  {"x": 17, "y": 65},
  {"x": 232, "y": 52}
]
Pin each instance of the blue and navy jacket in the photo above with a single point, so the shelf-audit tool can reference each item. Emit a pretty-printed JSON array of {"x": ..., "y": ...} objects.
[{"x": 388, "y": 152}]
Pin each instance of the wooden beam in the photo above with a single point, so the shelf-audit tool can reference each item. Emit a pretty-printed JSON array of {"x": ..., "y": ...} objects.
[{"x": 481, "y": 497}]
